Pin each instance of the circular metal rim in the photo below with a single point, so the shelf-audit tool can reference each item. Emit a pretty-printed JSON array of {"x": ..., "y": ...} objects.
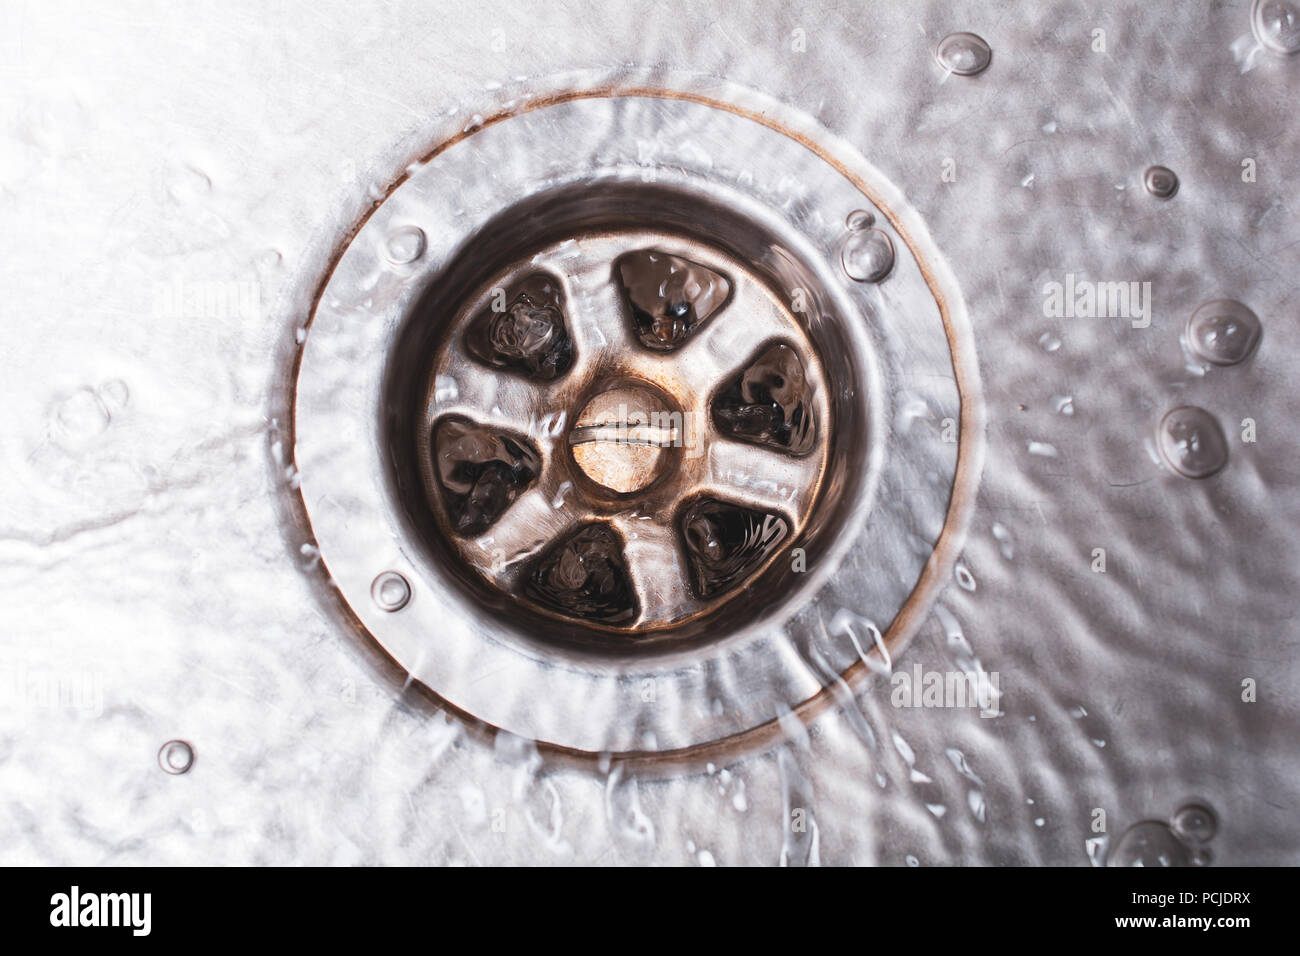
[{"x": 942, "y": 286}]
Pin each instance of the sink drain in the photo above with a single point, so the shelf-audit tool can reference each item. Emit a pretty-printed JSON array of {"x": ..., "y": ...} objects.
[
  {"x": 686, "y": 417},
  {"x": 623, "y": 444}
]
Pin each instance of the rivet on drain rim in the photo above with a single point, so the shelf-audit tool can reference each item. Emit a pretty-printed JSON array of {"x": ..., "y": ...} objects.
[{"x": 391, "y": 591}]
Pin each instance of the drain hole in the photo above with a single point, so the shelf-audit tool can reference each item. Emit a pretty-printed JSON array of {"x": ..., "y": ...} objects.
[
  {"x": 523, "y": 330},
  {"x": 726, "y": 543},
  {"x": 585, "y": 576},
  {"x": 670, "y": 297},
  {"x": 769, "y": 403},
  {"x": 481, "y": 471},
  {"x": 558, "y": 509}
]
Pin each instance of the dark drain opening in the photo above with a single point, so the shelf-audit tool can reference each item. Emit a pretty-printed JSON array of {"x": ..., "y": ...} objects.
[{"x": 588, "y": 597}]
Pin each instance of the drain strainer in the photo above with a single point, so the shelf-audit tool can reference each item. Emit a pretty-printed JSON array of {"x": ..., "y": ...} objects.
[
  {"x": 627, "y": 423},
  {"x": 667, "y": 376}
]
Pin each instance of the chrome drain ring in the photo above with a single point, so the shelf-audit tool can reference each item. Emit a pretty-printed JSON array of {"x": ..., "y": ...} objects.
[{"x": 899, "y": 383}]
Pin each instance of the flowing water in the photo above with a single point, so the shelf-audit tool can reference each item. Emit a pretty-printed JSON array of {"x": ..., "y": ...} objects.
[{"x": 178, "y": 685}]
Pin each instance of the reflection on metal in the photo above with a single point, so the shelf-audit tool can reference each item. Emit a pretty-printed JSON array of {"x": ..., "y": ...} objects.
[
  {"x": 702, "y": 386},
  {"x": 645, "y": 422}
]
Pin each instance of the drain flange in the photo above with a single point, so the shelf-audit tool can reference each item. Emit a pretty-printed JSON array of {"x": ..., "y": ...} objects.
[{"x": 620, "y": 423}]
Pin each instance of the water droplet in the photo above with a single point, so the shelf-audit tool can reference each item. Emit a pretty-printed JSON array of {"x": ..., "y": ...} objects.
[
  {"x": 176, "y": 756},
  {"x": 858, "y": 220},
  {"x": 1064, "y": 404},
  {"x": 1195, "y": 823},
  {"x": 82, "y": 415},
  {"x": 875, "y": 654},
  {"x": 114, "y": 394},
  {"x": 187, "y": 184},
  {"x": 1192, "y": 442},
  {"x": 561, "y": 493},
  {"x": 800, "y": 845},
  {"x": 404, "y": 245},
  {"x": 1149, "y": 843},
  {"x": 445, "y": 389},
  {"x": 868, "y": 255},
  {"x": 628, "y": 823},
  {"x": 1160, "y": 182},
  {"x": 268, "y": 259},
  {"x": 964, "y": 578},
  {"x": 1042, "y": 449},
  {"x": 912, "y": 861},
  {"x": 1276, "y": 24},
  {"x": 1049, "y": 342},
  {"x": 390, "y": 591},
  {"x": 1005, "y": 543},
  {"x": 1095, "y": 847},
  {"x": 964, "y": 54},
  {"x": 1223, "y": 331}
]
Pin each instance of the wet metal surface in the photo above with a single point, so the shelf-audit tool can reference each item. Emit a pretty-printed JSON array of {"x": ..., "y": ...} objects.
[
  {"x": 177, "y": 184},
  {"x": 750, "y": 320}
]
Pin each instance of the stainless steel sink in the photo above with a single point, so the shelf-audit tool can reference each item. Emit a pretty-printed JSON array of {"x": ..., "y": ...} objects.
[{"x": 606, "y": 434}]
